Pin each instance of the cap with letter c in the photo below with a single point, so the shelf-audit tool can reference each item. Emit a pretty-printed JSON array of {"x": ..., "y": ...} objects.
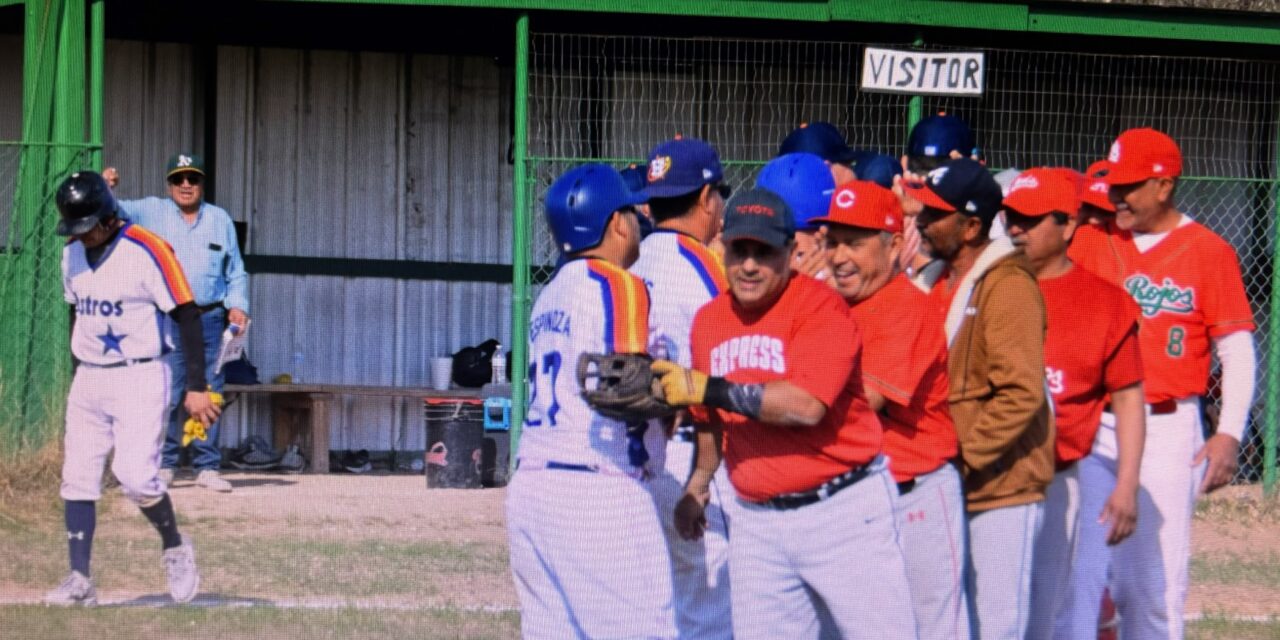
[{"x": 866, "y": 205}]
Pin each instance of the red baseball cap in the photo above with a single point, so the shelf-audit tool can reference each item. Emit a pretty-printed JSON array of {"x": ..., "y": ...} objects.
[
  {"x": 1041, "y": 191},
  {"x": 1094, "y": 190},
  {"x": 1139, "y": 154},
  {"x": 864, "y": 204}
]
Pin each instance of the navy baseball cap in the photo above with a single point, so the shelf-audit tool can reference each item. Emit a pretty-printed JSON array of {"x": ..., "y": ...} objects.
[
  {"x": 634, "y": 177},
  {"x": 682, "y": 166},
  {"x": 761, "y": 215},
  {"x": 960, "y": 185},
  {"x": 822, "y": 139},
  {"x": 878, "y": 168},
  {"x": 937, "y": 136}
]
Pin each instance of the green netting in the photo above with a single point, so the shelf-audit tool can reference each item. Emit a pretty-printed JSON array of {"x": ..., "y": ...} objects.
[
  {"x": 34, "y": 359},
  {"x": 611, "y": 98}
]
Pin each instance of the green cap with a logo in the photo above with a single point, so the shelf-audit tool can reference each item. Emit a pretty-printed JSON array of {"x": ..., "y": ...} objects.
[{"x": 180, "y": 162}]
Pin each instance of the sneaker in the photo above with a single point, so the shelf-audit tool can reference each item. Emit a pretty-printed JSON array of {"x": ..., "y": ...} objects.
[
  {"x": 180, "y": 568},
  {"x": 76, "y": 589},
  {"x": 211, "y": 479},
  {"x": 166, "y": 477}
]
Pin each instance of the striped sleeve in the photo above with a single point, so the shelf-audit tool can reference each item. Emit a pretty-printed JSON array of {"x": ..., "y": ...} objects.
[
  {"x": 625, "y": 302},
  {"x": 161, "y": 254},
  {"x": 705, "y": 263}
]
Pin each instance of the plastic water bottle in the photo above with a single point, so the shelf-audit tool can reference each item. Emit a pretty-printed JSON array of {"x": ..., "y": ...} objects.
[
  {"x": 297, "y": 367},
  {"x": 499, "y": 367}
]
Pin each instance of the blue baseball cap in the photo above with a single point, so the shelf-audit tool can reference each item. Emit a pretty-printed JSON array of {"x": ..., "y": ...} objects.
[
  {"x": 634, "y": 176},
  {"x": 804, "y": 181},
  {"x": 681, "y": 166},
  {"x": 937, "y": 136},
  {"x": 960, "y": 185},
  {"x": 878, "y": 168},
  {"x": 761, "y": 215},
  {"x": 822, "y": 139}
]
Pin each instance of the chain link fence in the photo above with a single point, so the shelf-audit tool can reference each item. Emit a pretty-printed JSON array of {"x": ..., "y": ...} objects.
[
  {"x": 34, "y": 358},
  {"x": 611, "y": 98}
]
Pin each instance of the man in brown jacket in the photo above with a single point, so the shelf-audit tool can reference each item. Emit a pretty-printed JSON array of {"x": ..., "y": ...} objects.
[{"x": 995, "y": 324}]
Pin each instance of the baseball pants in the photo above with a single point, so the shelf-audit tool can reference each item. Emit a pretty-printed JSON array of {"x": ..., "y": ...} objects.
[
  {"x": 1149, "y": 569},
  {"x": 588, "y": 556},
  {"x": 840, "y": 554},
  {"x": 931, "y": 530},
  {"x": 205, "y": 454},
  {"x": 1001, "y": 552},
  {"x": 1055, "y": 552},
  {"x": 700, "y": 568},
  {"x": 124, "y": 408}
]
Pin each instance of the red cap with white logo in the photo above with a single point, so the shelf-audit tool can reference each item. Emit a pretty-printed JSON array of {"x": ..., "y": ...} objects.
[
  {"x": 1140, "y": 154},
  {"x": 1094, "y": 190},
  {"x": 864, "y": 204},
  {"x": 1039, "y": 192}
]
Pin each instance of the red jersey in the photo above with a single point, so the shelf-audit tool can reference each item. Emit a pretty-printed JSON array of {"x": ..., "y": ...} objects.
[
  {"x": 808, "y": 338},
  {"x": 904, "y": 359},
  {"x": 1090, "y": 349},
  {"x": 1188, "y": 289}
]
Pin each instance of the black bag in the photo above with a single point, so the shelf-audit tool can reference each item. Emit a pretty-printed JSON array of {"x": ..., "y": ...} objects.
[
  {"x": 473, "y": 366},
  {"x": 240, "y": 372}
]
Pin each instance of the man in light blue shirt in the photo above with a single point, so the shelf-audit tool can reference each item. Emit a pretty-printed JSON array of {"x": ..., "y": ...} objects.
[{"x": 204, "y": 239}]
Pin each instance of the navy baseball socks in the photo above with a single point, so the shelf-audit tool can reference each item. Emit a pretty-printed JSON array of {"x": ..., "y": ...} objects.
[
  {"x": 81, "y": 516},
  {"x": 163, "y": 519}
]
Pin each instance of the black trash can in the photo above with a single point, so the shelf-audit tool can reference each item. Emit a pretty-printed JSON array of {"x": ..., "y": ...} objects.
[{"x": 455, "y": 442}]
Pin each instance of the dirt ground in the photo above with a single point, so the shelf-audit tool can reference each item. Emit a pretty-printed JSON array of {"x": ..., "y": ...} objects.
[{"x": 1237, "y": 528}]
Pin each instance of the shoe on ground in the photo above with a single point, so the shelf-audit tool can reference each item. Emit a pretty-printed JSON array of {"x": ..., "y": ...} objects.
[
  {"x": 180, "y": 569},
  {"x": 166, "y": 476},
  {"x": 211, "y": 479},
  {"x": 76, "y": 589}
]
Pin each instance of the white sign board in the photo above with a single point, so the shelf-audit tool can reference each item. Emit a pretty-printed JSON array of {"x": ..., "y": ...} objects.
[{"x": 937, "y": 73}]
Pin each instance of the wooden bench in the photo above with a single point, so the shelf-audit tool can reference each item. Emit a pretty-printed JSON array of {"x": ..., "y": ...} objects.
[{"x": 305, "y": 409}]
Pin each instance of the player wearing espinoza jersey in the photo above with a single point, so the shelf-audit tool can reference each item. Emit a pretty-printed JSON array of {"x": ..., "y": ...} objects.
[
  {"x": 776, "y": 364},
  {"x": 1091, "y": 351},
  {"x": 1186, "y": 282},
  {"x": 587, "y": 548}
]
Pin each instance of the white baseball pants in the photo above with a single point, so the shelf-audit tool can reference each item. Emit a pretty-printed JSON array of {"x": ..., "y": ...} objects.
[
  {"x": 1001, "y": 551},
  {"x": 1055, "y": 553},
  {"x": 932, "y": 532}
]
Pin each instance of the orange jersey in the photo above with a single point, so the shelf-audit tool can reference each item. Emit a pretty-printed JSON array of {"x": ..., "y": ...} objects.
[
  {"x": 904, "y": 359},
  {"x": 1089, "y": 350},
  {"x": 1188, "y": 289},
  {"x": 808, "y": 338}
]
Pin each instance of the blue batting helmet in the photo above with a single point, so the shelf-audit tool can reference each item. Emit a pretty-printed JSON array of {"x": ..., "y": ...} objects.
[
  {"x": 878, "y": 168},
  {"x": 804, "y": 181},
  {"x": 580, "y": 203}
]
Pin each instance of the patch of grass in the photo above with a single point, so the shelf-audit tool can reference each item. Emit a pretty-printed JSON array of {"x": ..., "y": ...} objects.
[
  {"x": 1240, "y": 509},
  {"x": 29, "y": 483},
  {"x": 1233, "y": 569},
  {"x": 196, "y": 623},
  {"x": 1221, "y": 628}
]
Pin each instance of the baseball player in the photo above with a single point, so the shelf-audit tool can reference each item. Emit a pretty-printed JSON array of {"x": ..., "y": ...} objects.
[
  {"x": 904, "y": 372},
  {"x": 587, "y": 547},
  {"x": 805, "y": 182},
  {"x": 1091, "y": 353},
  {"x": 995, "y": 333},
  {"x": 776, "y": 365},
  {"x": 687, "y": 198},
  {"x": 204, "y": 239},
  {"x": 1187, "y": 284},
  {"x": 824, "y": 140},
  {"x": 120, "y": 279}
]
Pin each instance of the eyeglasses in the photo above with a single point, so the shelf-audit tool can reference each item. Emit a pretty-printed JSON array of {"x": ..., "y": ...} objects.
[{"x": 189, "y": 177}]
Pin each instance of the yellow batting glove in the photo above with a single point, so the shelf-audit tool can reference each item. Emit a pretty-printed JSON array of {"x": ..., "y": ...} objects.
[
  {"x": 682, "y": 387},
  {"x": 193, "y": 429}
]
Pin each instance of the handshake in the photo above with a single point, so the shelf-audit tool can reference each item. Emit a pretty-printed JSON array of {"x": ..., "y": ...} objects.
[{"x": 632, "y": 386}]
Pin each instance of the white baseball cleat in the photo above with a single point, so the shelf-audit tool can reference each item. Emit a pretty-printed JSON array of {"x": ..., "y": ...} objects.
[
  {"x": 180, "y": 568},
  {"x": 76, "y": 589},
  {"x": 211, "y": 479}
]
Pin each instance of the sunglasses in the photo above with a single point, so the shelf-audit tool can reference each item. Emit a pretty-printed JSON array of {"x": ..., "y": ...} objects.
[
  {"x": 191, "y": 178},
  {"x": 723, "y": 189}
]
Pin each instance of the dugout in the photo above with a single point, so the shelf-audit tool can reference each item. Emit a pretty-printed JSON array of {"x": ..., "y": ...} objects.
[{"x": 387, "y": 157}]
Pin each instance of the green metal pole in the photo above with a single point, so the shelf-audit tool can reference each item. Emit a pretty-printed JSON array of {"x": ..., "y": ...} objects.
[
  {"x": 97, "y": 53},
  {"x": 1272, "y": 405},
  {"x": 520, "y": 233},
  {"x": 915, "y": 108}
]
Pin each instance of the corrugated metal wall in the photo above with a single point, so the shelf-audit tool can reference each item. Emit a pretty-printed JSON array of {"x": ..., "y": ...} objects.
[{"x": 330, "y": 154}]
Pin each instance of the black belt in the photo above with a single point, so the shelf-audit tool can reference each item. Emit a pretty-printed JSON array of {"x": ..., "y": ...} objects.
[
  {"x": 906, "y": 486},
  {"x": 122, "y": 363},
  {"x": 822, "y": 492},
  {"x": 209, "y": 307},
  {"x": 1162, "y": 408}
]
